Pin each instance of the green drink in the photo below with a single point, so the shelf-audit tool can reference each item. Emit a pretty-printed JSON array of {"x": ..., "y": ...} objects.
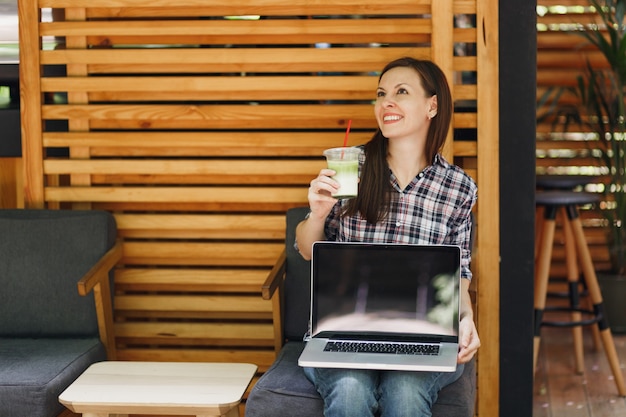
[{"x": 345, "y": 163}]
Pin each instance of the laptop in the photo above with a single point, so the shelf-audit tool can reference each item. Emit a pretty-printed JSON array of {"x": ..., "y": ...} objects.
[{"x": 383, "y": 306}]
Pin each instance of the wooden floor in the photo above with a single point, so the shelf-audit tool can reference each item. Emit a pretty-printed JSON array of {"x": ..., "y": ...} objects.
[{"x": 560, "y": 392}]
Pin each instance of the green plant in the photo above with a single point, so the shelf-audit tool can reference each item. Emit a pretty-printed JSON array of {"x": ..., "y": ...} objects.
[
  {"x": 599, "y": 106},
  {"x": 601, "y": 94}
]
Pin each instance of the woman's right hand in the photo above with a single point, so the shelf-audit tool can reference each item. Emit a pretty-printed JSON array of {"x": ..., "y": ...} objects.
[
  {"x": 321, "y": 203},
  {"x": 320, "y": 193}
]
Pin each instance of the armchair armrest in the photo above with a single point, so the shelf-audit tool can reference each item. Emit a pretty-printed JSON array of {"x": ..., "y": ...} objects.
[
  {"x": 275, "y": 277},
  {"x": 97, "y": 280},
  {"x": 273, "y": 283},
  {"x": 95, "y": 275}
]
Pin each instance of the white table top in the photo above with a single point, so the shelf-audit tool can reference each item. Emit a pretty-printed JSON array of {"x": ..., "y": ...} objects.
[{"x": 187, "y": 388}]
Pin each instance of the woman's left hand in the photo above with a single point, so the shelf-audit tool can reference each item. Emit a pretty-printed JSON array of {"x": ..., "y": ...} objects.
[{"x": 469, "y": 342}]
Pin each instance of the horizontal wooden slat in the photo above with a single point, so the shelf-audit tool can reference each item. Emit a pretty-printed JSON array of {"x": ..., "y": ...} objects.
[
  {"x": 464, "y": 63},
  {"x": 464, "y": 35},
  {"x": 156, "y": 144},
  {"x": 212, "y": 167},
  {"x": 266, "y": 88},
  {"x": 225, "y": 195},
  {"x": 473, "y": 173},
  {"x": 101, "y": 8},
  {"x": 464, "y": 7},
  {"x": 574, "y": 145},
  {"x": 206, "y": 206},
  {"x": 570, "y": 60},
  {"x": 189, "y": 116},
  {"x": 555, "y": 41},
  {"x": 190, "y": 171},
  {"x": 569, "y": 162},
  {"x": 205, "y": 226},
  {"x": 550, "y": 77},
  {"x": 465, "y": 148},
  {"x": 262, "y": 358},
  {"x": 190, "y": 280},
  {"x": 224, "y": 143},
  {"x": 464, "y": 120},
  {"x": 281, "y": 8},
  {"x": 302, "y": 178},
  {"x": 195, "y": 334},
  {"x": 207, "y": 254},
  {"x": 555, "y": 21},
  {"x": 548, "y": 3},
  {"x": 465, "y": 92},
  {"x": 275, "y": 116},
  {"x": 186, "y": 60},
  {"x": 248, "y": 306},
  {"x": 262, "y": 31},
  {"x": 242, "y": 5}
]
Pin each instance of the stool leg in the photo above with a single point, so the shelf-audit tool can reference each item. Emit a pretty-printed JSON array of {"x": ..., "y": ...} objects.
[
  {"x": 595, "y": 332},
  {"x": 542, "y": 273},
  {"x": 596, "y": 298},
  {"x": 538, "y": 229},
  {"x": 573, "y": 278}
]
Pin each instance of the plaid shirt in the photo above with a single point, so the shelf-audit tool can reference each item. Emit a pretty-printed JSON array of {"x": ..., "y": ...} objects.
[{"x": 433, "y": 209}]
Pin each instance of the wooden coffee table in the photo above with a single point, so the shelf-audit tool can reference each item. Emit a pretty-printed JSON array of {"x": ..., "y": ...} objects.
[{"x": 159, "y": 388}]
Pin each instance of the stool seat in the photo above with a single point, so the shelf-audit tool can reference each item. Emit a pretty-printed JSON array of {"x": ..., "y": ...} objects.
[
  {"x": 565, "y": 198},
  {"x": 563, "y": 182}
]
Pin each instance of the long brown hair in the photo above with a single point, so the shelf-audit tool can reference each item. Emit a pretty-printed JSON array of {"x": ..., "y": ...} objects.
[{"x": 373, "y": 201}]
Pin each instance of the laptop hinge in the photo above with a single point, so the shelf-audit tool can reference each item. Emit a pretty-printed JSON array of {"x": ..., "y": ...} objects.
[{"x": 307, "y": 335}]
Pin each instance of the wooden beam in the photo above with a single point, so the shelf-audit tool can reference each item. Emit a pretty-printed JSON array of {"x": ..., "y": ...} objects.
[{"x": 488, "y": 239}]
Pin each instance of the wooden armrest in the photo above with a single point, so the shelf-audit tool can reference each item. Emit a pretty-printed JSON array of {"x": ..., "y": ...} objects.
[
  {"x": 105, "y": 264},
  {"x": 97, "y": 280},
  {"x": 275, "y": 276}
]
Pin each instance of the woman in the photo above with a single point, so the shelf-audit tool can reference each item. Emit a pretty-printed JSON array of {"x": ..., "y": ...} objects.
[{"x": 408, "y": 193}]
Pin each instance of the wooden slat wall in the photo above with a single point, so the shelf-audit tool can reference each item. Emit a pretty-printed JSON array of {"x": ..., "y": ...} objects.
[
  {"x": 198, "y": 131},
  {"x": 561, "y": 57}
]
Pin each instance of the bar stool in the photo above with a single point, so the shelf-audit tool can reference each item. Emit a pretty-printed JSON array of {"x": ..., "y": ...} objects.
[
  {"x": 562, "y": 182},
  {"x": 576, "y": 251}
]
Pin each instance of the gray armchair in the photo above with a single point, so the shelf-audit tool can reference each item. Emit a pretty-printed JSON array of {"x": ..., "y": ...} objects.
[
  {"x": 55, "y": 303},
  {"x": 284, "y": 390}
]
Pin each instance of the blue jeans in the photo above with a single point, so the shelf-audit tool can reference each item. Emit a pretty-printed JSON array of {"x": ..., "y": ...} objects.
[{"x": 363, "y": 393}]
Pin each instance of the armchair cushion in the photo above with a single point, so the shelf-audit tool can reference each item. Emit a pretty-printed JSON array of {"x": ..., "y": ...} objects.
[
  {"x": 284, "y": 390},
  {"x": 44, "y": 254},
  {"x": 36, "y": 371}
]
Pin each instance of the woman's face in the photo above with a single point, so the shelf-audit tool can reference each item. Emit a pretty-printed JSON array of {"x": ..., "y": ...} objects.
[{"x": 402, "y": 108}]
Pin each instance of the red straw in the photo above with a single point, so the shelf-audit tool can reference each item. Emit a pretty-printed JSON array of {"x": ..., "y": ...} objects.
[{"x": 345, "y": 139}]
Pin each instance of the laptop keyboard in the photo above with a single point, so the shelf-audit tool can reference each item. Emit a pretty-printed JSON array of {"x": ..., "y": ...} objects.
[{"x": 382, "y": 347}]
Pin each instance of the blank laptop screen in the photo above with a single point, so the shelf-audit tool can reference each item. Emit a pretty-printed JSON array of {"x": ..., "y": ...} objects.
[{"x": 385, "y": 288}]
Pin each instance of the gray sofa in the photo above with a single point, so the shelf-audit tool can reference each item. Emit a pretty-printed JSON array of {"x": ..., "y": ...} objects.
[
  {"x": 49, "y": 333},
  {"x": 284, "y": 390}
]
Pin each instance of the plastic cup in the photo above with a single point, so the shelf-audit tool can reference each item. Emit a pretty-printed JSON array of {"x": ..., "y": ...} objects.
[{"x": 345, "y": 163}]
